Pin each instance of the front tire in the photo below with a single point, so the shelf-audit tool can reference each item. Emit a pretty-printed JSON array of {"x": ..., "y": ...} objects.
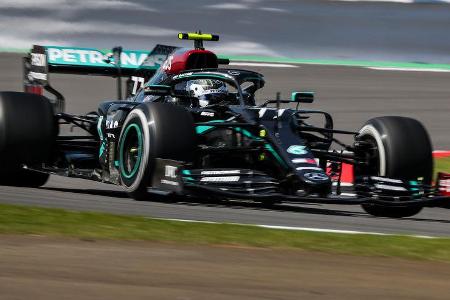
[
  {"x": 401, "y": 149},
  {"x": 150, "y": 131}
]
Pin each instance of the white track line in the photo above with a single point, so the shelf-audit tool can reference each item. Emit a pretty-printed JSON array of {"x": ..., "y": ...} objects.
[
  {"x": 320, "y": 230},
  {"x": 408, "y": 69},
  {"x": 295, "y": 228},
  {"x": 256, "y": 64}
]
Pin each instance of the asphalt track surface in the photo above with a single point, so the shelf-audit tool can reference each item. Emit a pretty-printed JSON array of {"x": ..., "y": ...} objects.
[{"x": 351, "y": 94}]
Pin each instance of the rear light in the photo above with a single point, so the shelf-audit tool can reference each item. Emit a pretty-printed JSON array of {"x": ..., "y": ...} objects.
[{"x": 443, "y": 183}]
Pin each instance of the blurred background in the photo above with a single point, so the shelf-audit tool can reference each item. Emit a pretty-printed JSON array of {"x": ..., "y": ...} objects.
[{"x": 406, "y": 30}]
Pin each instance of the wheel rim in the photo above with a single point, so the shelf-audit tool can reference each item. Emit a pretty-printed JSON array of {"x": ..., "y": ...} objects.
[
  {"x": 373, "y": 157},
  {"x": 131, "y": 151}
]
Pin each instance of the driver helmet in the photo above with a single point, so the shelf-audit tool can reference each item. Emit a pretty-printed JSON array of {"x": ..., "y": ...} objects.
[{"x": 208, "y": 91}]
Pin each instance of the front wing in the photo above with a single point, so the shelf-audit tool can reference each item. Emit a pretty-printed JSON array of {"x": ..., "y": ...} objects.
[{"x": 172, "y": 177}]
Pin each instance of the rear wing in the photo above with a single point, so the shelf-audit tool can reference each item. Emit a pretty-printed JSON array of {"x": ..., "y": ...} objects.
[{"x": 118, "y": 63}]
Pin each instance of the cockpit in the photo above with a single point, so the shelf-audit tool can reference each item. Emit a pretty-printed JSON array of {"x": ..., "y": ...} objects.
[{"x": 201, "y": 88}]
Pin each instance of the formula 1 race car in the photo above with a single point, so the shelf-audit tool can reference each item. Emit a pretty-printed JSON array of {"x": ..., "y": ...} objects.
[{"x": 190, "y": 128}]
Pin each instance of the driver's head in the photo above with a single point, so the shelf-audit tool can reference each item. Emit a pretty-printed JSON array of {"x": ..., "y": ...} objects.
[{"x": 208, "y": 91}]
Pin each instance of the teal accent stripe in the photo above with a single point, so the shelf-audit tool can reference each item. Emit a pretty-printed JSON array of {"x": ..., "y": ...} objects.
[
  {"x": 293, "y": 96},
  {"x": 187, "y": 172},
  {"x": 246, "y": 133},
  {"x": 414, "y": 187},
  {"x": 202, "y": 129},
  {"x": 275, "y": 154},
  {"x": 140, "y": 149},
  {"x": 100, "y": 134},
  {"x": 102, "y": 149}
]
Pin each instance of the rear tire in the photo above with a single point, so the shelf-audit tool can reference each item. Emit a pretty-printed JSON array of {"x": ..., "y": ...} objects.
[
  {"x": 27, "y": 136},
  {"x": 402, "y": 150},
  {"x": 150, "y": 131}
]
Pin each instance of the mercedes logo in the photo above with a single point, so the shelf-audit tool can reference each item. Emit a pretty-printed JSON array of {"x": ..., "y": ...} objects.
[{"x": 315, "y": 176}]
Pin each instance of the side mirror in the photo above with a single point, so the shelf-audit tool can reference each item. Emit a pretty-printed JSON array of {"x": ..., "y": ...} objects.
[
  {"x": 158, "y": 90},
  {"x": 302, "y": 97}
]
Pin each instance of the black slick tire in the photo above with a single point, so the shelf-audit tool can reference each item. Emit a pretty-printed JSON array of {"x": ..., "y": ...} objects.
[
  {"x": 403, "y": 151},
  {"x": 27, "y": 137},
  {"x": 150, "y": 131}
]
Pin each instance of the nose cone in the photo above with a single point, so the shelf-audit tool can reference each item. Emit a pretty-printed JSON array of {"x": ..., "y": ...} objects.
[{"x": 315, "y": 181}]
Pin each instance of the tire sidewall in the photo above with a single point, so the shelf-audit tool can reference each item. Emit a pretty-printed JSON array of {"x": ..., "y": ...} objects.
[
  {"x": 133, "y": 183},
  {"x": 370, "y": 130}
]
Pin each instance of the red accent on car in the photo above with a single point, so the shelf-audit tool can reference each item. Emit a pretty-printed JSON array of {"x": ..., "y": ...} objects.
[
  {"x": 311, "y": 161},
  {"x": 34, "y": 89},
  {"x": 443, "y": 183},
  {"x": 441, "y": 154},
  {"x": 346, "y": 173},
  {"x": 189, "y": 60}
]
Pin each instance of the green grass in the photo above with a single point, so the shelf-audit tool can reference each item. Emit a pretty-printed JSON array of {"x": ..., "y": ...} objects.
[
  {"x": 442, "y": 165},
  {"x": 88, "y": 225}
]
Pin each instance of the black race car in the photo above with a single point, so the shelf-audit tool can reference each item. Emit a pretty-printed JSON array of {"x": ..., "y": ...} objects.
[{"x": 190, "y": 128}]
